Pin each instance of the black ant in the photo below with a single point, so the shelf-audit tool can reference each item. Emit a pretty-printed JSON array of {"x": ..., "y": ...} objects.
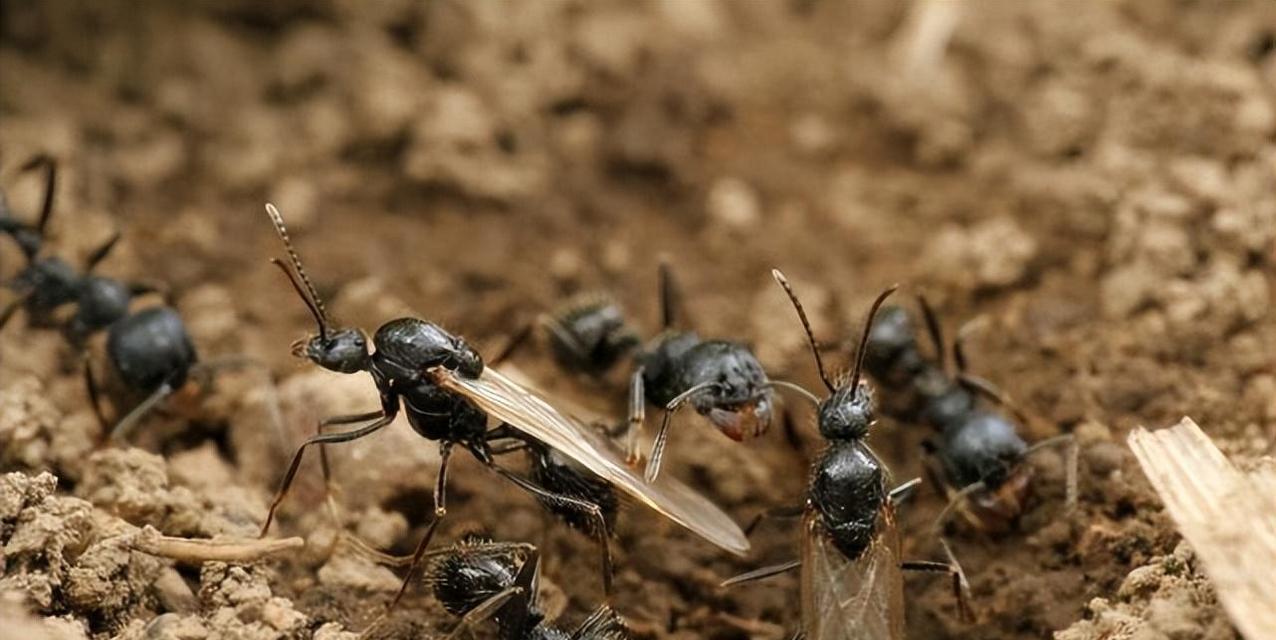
[
  {"x": 851, "y": 579},
  {"x": 481, "y": 580},
  {"x": 442, "y": 384},
  {"x": 149, "y": 350},
  {"x": 586, "y": 335},
  {"x": 980, "y": 451},
  {"x": 721, "y": 379}
]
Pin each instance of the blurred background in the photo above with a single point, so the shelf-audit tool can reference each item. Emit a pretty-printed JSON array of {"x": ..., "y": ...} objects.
[{"x": 1094, "y": 179}]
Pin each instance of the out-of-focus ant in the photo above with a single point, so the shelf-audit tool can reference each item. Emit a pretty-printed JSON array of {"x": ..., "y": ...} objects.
[
  {"x": 481, "y": 580},
  {"x": 149, "y": 351},
  {"x": 980, "y": 451},
  {"x": 447, "y": 392},
  {"x": 721, "y": 379},
  {"x": 587, "y": 335},
  {"x": 851, "y": 581}
]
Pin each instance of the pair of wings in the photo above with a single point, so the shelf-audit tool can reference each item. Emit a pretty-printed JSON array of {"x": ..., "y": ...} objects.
[
  {"x": 514, "y": 404},
  {"x": 852, "y": 599}
]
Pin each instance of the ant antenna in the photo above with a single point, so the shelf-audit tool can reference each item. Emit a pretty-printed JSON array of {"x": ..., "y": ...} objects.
[
  {"x": 868, "y": 325},
  {"x": 307, "y": 293},
  {"x": 296, "y": 285},
  {"x": 50, "y": 187},
  {"x": 806, "y": 325}
]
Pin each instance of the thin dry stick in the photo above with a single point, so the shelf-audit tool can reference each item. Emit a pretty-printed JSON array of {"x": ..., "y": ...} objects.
[
  {"x": 1228, "y": 517},
  {"x": 200, "y": 550}
]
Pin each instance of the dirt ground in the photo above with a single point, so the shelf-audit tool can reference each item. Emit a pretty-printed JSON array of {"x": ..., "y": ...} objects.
[{"x": 1094, "y": 179}]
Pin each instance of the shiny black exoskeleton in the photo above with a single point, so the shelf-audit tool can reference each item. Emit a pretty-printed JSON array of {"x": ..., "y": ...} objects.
[
  {"x": 722, "y": 380},
  {"x": 589, "y": 335},
  {"x": 980, "y": 451},
  {"x": 405, "y": 350},
  {"x": 849, "y": 484},
  {"x": 149, "y": 351},
  {"x": 849, "y": 504},
  {"x": 483, "y": 580}
]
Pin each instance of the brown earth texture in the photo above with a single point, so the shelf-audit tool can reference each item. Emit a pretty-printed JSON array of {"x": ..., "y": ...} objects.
[{"x": 1092, "y": 181}]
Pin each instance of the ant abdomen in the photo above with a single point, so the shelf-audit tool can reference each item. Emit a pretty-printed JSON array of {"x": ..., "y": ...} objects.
[
  {"x": 151, "y": 348},
  {"x": 848, "y": 488}
]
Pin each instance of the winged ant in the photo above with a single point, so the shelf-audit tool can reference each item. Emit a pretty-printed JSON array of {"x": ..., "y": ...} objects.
[
  {"x": 447, "y": 392},
  {"x": 851, "y": 581}
]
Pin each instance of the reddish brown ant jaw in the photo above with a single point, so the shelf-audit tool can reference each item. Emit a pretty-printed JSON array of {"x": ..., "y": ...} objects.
[
  {"x": 996, "y": 510},
  {"x": 745, "y": 421}
]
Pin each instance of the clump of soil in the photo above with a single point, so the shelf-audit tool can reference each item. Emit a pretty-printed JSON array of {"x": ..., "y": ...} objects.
[{"x": 1092, "y": 180}]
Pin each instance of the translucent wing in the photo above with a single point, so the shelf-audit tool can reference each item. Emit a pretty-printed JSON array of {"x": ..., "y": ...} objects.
[
  {"x": 844, "y": 598},
  {"x": 603, "y": 624},
  {"x": 508, "y": 401}
]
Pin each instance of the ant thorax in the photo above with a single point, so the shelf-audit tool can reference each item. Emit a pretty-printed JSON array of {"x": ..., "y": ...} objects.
[
  {"x": 848, "y": 489},
  {"x": 416, "y": 345}
]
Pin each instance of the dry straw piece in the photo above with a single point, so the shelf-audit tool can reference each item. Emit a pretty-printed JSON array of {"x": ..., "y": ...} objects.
[
  {"x": 198, "y": 550},
  {"x": 1228, "y": 516}
]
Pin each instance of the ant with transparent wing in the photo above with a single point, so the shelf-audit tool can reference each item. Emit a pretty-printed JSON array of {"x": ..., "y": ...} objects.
[
  {"x": 149, "y": 351},
  {"x": 981, "y": 453},
  {"x": 851, "y": 582},
  {"x": 447, "y": 392},
  {"x": 481, "y": 580}
]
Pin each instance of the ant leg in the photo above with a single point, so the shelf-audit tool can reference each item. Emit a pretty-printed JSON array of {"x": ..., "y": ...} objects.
[
  {"x": 95, "y": 396},
  {"x": 12, "y": 308},
  {"x": 335, "y": 421},
  {"x": 904, "y": 491},
  {"x": 482, "y": 612},
  {"x": 959, "y": 584},
  {"x": 1071, "y": 455},
  {"x": 935, "y": 330},
  {"x": 637, "y": 415},
  {"x": 775, "y": 513},
  {"x": 513, "y": 344},
  {"x": 590, "y": 509},
  {"x": 959, "y": 343},
  {"x": 669, "y": 298},
  {"x": 440, "y": 510},
  {"x": 662, "y": 437},
  {"x": 760, "y": 574},
  {"x": 99, "y": 254},
  {"x": 984, "y": 387},
  {"x": 126, "y": 424},
  {"x": 563, "y": 339},
  {"x": 958, "y": 498},
  {"x": 328, "y": 438},
  {"x": 50, "y": 187}
]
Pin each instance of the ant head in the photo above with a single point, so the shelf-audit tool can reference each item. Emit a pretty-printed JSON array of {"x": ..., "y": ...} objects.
[
  {"x": 847, "y": 413},
  {"x": 736, "y": 395},
  {"x": 340, "y": 350}
]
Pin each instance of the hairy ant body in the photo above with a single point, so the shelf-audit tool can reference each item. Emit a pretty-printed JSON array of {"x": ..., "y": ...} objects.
[
  {"x": 721, "y": 379},
  {"x": 447, "y": 392},
  {"x": 149, "y": 350},
  {"x": 850, "y": 565},
  {"x": 481, "y": 580},
  {"x": 980, "y": 451}
]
